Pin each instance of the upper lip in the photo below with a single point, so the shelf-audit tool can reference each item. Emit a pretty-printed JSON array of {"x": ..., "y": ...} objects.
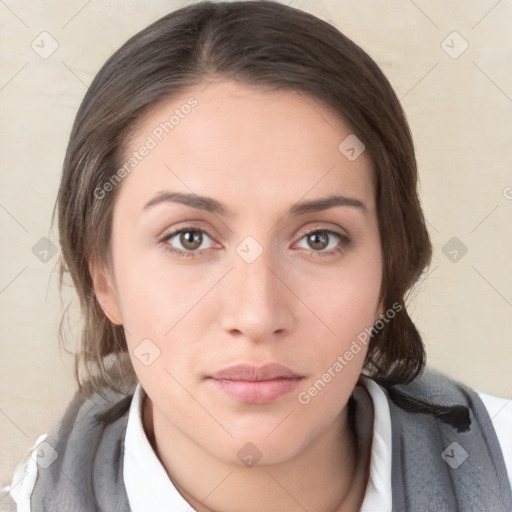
[{"x": 252, "y": 373}]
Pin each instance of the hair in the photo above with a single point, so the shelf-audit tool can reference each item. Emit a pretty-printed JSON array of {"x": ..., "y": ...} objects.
[{"x": 263, "y": 44}]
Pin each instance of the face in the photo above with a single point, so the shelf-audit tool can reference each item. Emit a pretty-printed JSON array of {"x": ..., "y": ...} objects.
[{"x": 226, "y": 251}]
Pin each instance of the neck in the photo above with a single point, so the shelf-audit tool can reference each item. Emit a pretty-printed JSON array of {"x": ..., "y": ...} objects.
[{"x": 329, "y": 475}]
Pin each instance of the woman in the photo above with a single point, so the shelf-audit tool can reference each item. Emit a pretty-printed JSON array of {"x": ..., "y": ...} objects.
[{"x": 239, "y": 214}]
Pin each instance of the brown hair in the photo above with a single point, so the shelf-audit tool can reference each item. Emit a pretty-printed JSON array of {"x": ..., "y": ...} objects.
[{"x": 264, "y": 44}]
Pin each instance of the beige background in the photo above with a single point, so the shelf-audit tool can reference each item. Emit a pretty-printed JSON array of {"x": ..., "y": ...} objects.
[{"x": 460, "y": 112}]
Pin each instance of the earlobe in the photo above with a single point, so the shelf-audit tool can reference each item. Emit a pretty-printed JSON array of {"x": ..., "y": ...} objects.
[{"x": 105, "y": 291}]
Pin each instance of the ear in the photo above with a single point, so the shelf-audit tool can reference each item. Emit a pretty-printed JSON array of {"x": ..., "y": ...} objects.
[
  {"x": 380, "y": 311},
  {"x": 105, "y": 291}
]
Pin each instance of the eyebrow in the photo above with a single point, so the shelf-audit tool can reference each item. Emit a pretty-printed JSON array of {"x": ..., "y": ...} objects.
[{"x": 213, "y": 206}]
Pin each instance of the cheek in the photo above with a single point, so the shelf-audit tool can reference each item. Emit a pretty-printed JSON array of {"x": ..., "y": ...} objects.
[
  {"x": 166, "y": 312},
  {"x": 348, "y": 307},
  {"x": 155, "y": 292},
  {"x": 346, "y": 296},
  {"x": 345, "y": 306}
]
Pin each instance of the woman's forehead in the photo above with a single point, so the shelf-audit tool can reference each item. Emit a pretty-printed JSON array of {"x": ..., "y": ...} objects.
[
  {"x": 225, "y": 112},
  {"x": 230, "y": 137}
]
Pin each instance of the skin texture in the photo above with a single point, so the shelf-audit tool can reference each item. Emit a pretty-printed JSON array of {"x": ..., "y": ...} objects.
[{"x": 259, "y": 153}]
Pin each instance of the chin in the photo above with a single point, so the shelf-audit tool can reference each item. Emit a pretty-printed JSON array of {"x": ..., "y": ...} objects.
[{"x": 259, "y": 449}]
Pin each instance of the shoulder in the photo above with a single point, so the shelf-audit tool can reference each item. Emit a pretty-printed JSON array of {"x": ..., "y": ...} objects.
[
  {"x": 500, "y": 412},
  {"x": 96, "y": 410},
  {"x": 457, "y": 404},
  {"x": 435, "y": 392},
  {"x": 24, "y": 477}
]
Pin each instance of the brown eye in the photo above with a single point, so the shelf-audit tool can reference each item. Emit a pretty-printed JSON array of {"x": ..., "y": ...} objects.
[
  {"x": 318, "y": 240},
  {"x": 191, "y": 239},
  {"x": 325, "y": 242},
  {"x": 188, "y": 241}
]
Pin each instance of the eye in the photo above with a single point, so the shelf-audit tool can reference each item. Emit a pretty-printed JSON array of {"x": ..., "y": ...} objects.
[
  {"x": 189, "y": 242},
  {"x": 318, "y": 240},
  {"x": 189, "y": 238}
]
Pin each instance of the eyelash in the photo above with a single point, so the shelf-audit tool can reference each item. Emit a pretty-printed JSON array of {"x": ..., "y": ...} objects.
[{"x": 346, "y": 242}]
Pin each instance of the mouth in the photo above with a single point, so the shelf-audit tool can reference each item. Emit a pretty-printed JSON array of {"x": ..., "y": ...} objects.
[{"x": 256, "y": 385}]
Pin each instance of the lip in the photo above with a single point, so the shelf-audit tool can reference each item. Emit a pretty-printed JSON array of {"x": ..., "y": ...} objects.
[{"x": 256, "y": 384}]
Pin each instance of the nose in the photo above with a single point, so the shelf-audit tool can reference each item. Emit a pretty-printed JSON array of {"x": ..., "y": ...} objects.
[{"x": 257, "y": 304}]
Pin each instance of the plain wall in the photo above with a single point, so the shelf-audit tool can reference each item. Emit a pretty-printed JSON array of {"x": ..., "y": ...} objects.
[{"x": 460, "y": 111}]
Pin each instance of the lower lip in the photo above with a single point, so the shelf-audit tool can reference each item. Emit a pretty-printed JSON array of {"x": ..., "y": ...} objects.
[{"x": 257, "y": 392}]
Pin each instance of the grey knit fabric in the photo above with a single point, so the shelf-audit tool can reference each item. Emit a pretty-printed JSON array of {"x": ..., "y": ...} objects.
[
  {"x": 435, "y": 467},
  {"x": 87, "y": 474}
]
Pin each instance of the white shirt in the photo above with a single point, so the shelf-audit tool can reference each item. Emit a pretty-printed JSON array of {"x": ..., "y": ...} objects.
[{"x": 149, "y": 488}]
